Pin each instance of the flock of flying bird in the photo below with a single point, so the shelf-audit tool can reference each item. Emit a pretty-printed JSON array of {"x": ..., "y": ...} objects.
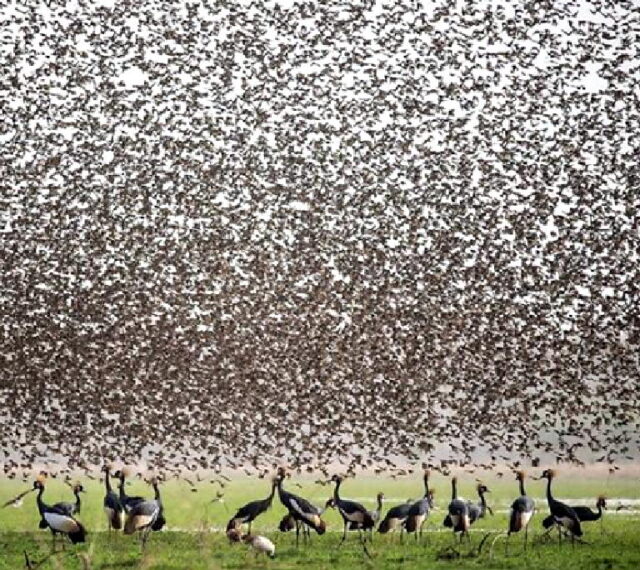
[
  {"x": 136, "y": 514},
  {"x": 278, "y": 230}
]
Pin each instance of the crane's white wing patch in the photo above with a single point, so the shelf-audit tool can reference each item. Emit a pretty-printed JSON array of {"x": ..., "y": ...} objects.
[{"x": 61, "y": 523}]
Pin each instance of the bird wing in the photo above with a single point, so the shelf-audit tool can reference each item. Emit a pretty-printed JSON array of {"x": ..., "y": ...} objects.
[
  {"x": 63, "y": 508},
  {"x": 458, "y": 507},
  {"x": 17, "y": 498},
  {"x": 61, "y": 522},
  {"x": 420, "y": 507},
  {"x": 399, "y": 511},
  {"x": 308, "y": 514}
]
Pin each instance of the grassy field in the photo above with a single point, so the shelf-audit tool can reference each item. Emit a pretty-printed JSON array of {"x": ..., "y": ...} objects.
[{"x": 193, "y": 539}]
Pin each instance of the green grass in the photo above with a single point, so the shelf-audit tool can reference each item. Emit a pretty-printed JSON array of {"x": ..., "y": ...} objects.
[{"x": 193, "y": 540}]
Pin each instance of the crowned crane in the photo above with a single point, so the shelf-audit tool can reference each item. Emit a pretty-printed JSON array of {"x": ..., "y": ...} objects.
[
  {"x": 479, "y": 511},
  {"x": 145, "y": 516},
  {"x": 585, "y": 514},
  {"x": 374, "y": 514},
  {"x": 563, "y": 515},
  {"x": 126, "y": 501},
  {"x": 522, "y": 510},
  {"x": 72, "y": 508},
  {"x": 351, "y": 511},
  {"x": 302, "y": 511},
  {"x": 112, "y": 506},
  {"x": 419, "y": 510},
  {"x": 395, "y": 518},
  {"x": 458, "y": 517},
  {"x": 56, "y": 519},
  {"x": 252, "y": 510},
  {"x": 261, "y": 544}
]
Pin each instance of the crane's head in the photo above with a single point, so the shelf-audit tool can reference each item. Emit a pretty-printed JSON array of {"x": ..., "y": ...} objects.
[
  {"x": 430, "y": 496},
  {"x": 40, "y": 481},
  {"x": 122, "y": 474},
  {"x": 380, "y": 497},
  {"x": 520, "y": 475},
  {"x": 548, "y": 474},
  {"x": 330, "y": 504},
  {"x": 482, "y": 489},
  {"x": 602, "y": 502},
  {"x": 78, "y": 488},
  {"x": 337, "y": 478},
  {"x": 426, "y": 474}
]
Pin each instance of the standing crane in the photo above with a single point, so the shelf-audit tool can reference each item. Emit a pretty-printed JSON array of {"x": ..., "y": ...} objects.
[
  {"x": 458, "y": 516},
  {"x": 522, "y": 510},
  {"x": 56, "y": 519},
  {"x": 112, "y": 507},
  {"x": 145, "y": 516},
  {"x": 249, "y": 512},
  {"x": 563, "y": 515},
  {"x": 351, "y": 511},
  {"x": 302, "y": 511},
  {"x": 419, "y": 511},
  {"x": 585, "y": 514},
  {"x": 479, "y": 511}
]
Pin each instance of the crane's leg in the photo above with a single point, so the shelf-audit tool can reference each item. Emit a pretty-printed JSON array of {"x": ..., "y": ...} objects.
[
  {"x": 421, "y": 530},
  {"x": 526, "y": 537},
  {"x": 344, "y": 534},
  {"x": 297, "y": 533}
]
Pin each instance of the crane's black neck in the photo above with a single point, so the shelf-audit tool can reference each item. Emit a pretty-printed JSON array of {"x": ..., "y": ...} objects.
[
  {"x": 483, "y": 502},
  {"x": 123, "y": 496},
  {"x": 107, "y": 482},
  {"x": 522, "y": 491},
  {"x": 380, "y": 503},
  {"x": 336, "y": 491},
  {"x": 426, "y": 486},
  {"x": 550, "y": 498},
  {"x": 41, "y": 505},
  {"x": 76, "y": 492},
  {"x": 156, "y": 490},
  {"x": 454, "y": 489}
]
